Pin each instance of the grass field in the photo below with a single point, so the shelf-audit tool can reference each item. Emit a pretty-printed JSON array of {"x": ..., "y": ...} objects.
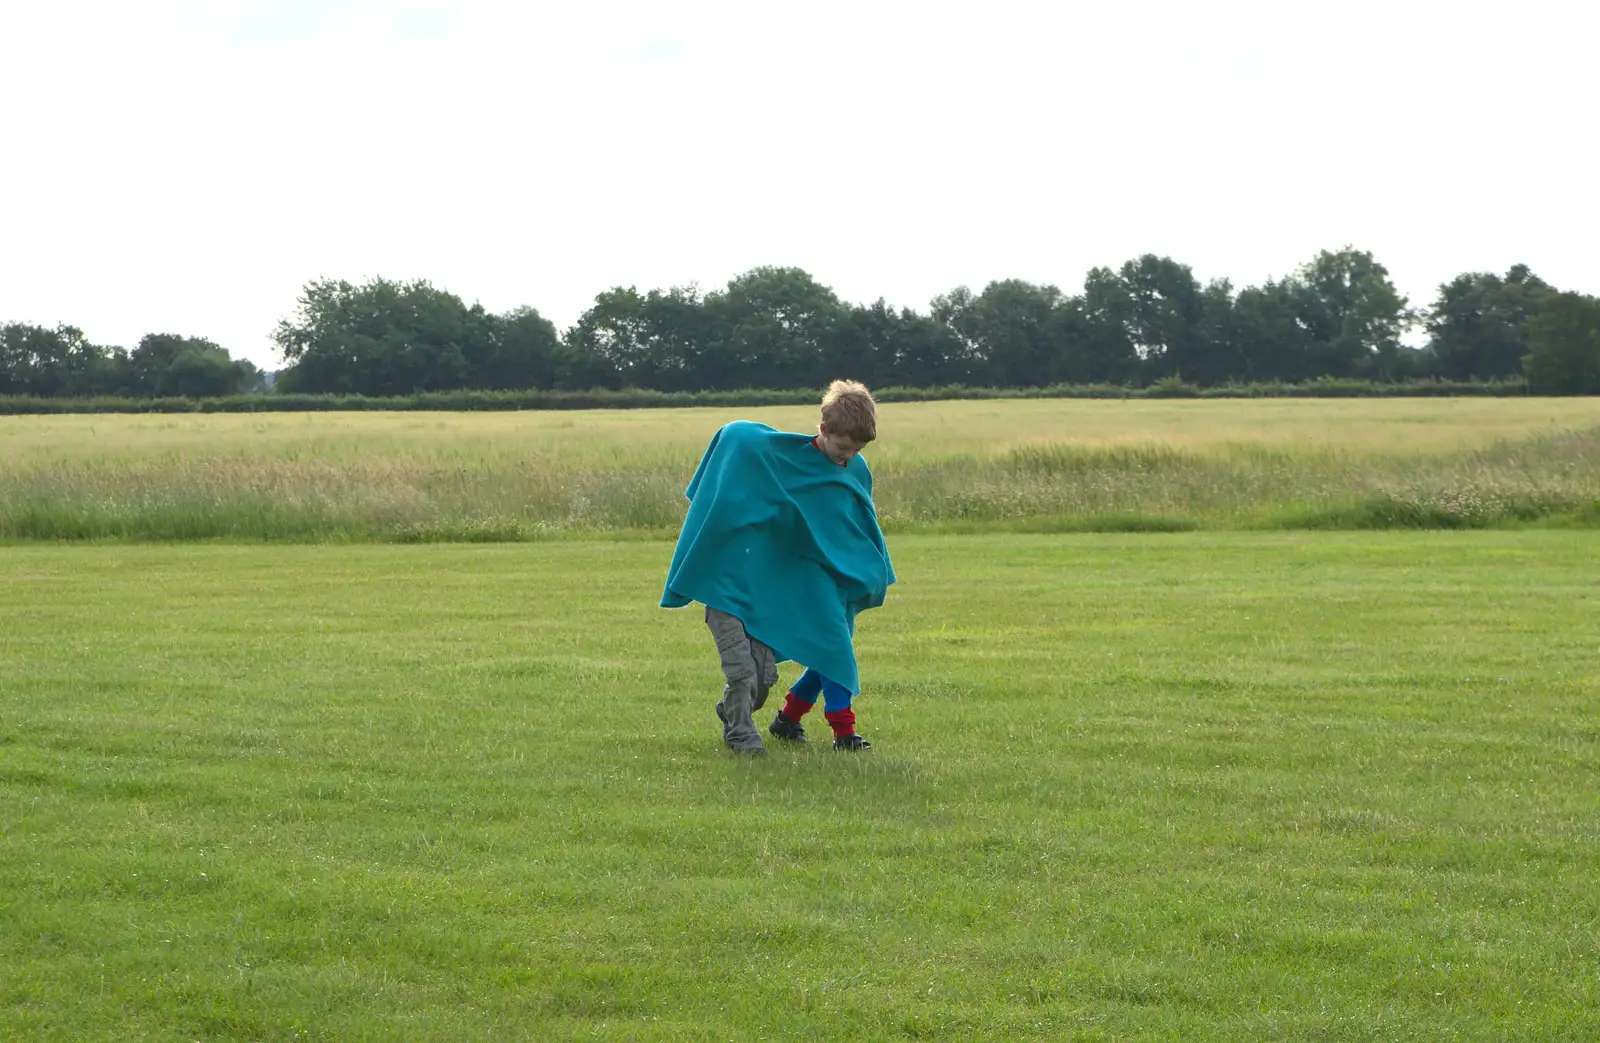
[
  {"x": 1192, "y": 786},
  {"x": 941, "y": 466}
]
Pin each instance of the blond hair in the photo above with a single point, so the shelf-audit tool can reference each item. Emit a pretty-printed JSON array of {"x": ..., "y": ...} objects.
[{"x": 848, "y": 410}]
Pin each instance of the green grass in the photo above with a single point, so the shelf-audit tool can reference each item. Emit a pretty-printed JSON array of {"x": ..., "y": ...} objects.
[
  {"x": 940, "y": 466},
  {"x": 1194, "y": 786}
]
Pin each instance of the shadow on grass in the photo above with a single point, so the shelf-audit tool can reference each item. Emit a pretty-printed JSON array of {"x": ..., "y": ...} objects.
[
  {"x": 1046, "y": 525},
  {"x": 1461, "y": 512},
  {"x": 42, "y": 523}
]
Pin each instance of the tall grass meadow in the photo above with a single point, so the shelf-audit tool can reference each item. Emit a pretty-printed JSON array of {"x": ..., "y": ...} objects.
[{"x": 1023, "y": 465}]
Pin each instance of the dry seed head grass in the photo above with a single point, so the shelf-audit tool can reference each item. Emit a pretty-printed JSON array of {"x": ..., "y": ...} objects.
[
  {"x": 1217, "y": 463},
  {"x": 1362, "y": 426}
]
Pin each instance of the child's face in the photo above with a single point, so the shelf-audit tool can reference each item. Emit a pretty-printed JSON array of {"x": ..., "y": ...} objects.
[{"x": 841, "y": 449}]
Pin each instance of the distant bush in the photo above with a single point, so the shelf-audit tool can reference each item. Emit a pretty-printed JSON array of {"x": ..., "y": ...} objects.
[
  {"x": 1171, "y": 387},
  {"x": 465, "y": 401},
  {"x": 1332, "y": 387}
]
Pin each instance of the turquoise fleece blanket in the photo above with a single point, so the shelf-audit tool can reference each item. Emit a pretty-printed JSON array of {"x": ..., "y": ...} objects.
[{"x": 782, "y": 537}]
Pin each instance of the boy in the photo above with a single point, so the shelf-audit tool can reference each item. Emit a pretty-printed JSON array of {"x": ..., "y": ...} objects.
[{"x": 782, "y": 546}]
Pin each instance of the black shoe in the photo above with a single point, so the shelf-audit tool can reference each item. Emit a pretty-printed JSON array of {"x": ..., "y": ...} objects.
[
  {"x": 786, "y": 729},
  {"x": 852, "y": 743}
]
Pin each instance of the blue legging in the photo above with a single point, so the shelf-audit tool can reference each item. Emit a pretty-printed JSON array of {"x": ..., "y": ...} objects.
[{"x": 835, "y": 696}]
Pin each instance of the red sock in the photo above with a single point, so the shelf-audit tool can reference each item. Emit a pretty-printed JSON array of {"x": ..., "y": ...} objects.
[
  {"x": 795, "y": 707},
  {"x": 843, "y": 722}
]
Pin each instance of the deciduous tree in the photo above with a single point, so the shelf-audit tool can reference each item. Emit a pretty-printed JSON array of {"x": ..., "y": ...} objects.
[
  {"x": 1564, "y": 345},
  {"x": 1478, "y": 325}
]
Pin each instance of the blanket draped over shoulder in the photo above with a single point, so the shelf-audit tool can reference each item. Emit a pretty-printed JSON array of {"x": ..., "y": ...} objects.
[{"x": 785, "y": 539}]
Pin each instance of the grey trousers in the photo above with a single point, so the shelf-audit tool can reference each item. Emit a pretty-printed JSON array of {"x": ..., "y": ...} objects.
[{"x": 750, "y": 669}]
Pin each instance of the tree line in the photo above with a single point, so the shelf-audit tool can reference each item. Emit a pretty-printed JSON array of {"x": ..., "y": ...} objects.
[
  {"x": 62, "y": 363},
  {"x": 1151, "y": 321}
]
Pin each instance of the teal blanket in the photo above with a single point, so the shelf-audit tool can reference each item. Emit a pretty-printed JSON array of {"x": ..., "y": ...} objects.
[{"x": 782, "y": 537}]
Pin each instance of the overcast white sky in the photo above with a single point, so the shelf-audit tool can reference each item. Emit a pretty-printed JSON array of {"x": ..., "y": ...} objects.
[{"x": 187, "y": 166}]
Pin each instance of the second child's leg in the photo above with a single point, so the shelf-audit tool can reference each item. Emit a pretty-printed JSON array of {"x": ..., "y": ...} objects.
[
  {"x": 749, "y": 669},
  {"x": 801, "y": 698},
  {"x": 836, "y": 701},
  {"x": 836, "y": 707}
]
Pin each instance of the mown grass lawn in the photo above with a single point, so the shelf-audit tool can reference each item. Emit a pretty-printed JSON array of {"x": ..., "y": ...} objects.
[{"x": 1198, "y": 786}]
